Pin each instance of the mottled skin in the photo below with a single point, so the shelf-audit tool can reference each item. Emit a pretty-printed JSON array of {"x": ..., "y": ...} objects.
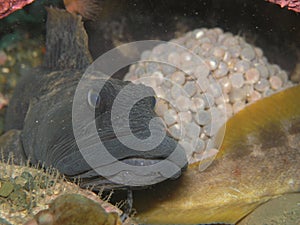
[
  {"x": 258, "y": 160},
  {"x": 42, "y": 108}
]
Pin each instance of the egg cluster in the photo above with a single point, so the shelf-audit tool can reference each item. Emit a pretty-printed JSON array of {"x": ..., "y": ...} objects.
[{"x": 201, "y": 80}]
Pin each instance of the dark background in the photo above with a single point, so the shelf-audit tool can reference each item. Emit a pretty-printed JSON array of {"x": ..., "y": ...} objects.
[{"x": 275, "y": 30}]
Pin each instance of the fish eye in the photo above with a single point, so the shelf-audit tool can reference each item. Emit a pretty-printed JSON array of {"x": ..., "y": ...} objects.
[{"x": 93, "y": 98}]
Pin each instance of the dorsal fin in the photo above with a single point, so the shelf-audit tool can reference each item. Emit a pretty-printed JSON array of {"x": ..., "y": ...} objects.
[{"x": 66, "y": 41}]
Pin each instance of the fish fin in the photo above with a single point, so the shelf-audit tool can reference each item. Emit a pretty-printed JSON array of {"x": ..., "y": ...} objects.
[{"x": 67, "y": 41}]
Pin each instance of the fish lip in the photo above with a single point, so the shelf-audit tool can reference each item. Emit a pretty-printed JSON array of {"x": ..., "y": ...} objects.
[
  {"x": 92, "y": 178},
  {"x": 159, "y": 167},
  {"x": 137, "y": 166},
  {"x": 100, "y": 182}
]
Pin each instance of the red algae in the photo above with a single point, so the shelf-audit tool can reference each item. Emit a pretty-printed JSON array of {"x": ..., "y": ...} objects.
[
  {"x": 9, "y": 6},
  {"x": 290, "y": 4}
]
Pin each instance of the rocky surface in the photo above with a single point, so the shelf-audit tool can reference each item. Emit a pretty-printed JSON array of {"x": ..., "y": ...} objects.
[
  {"x": 25, "y": 191},
  {"x": 282, "y": 210}
]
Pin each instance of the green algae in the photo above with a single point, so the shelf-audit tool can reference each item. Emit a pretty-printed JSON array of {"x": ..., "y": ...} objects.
[
  {"x": 75, "y": 209},
  {"x": 25, "y": 191}
]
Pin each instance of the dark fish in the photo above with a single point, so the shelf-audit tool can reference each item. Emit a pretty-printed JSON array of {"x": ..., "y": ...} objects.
[{"x": 42, "y": 108}]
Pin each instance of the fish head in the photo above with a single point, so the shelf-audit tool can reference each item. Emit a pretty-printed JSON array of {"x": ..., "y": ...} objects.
[{"x": 127, "y": 143}]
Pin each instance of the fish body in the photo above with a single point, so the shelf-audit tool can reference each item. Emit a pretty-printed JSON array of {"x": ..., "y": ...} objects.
[
  {"x": 258, "y": 160},
  {"x": 42, "y": 107}
]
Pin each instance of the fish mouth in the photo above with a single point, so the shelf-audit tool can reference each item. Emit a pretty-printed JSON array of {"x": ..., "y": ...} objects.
[
  {"x": 135, "y": 179},
  {"x": 136, "y": 169},
  {"x": 115, "y": 165}
]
